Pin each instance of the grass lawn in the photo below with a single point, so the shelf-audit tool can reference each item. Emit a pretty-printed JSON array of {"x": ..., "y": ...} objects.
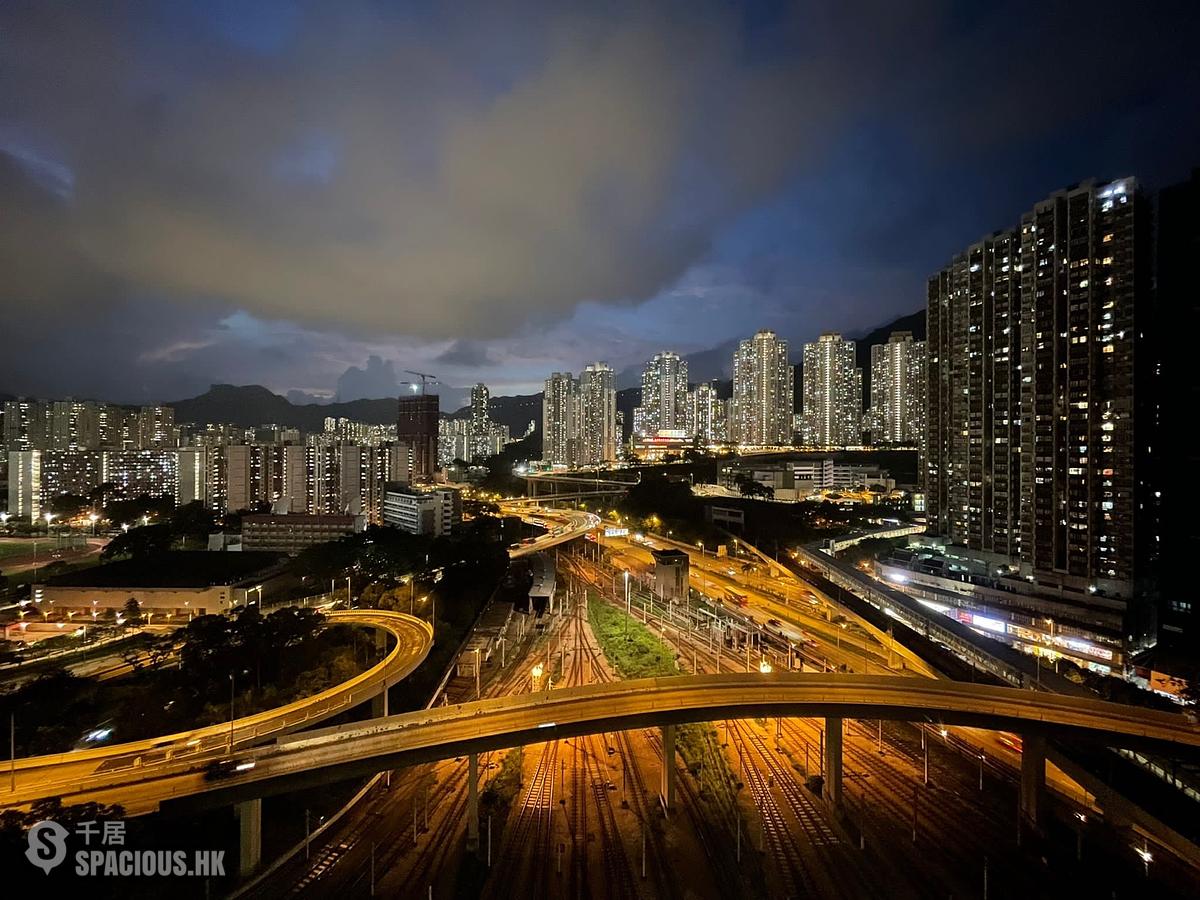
[
  {"x": 30, "y": 575},
  {"x": 636, "y": 652},
  {"x": 633, "y": 650},
  {"x": 16, "y": 548}
]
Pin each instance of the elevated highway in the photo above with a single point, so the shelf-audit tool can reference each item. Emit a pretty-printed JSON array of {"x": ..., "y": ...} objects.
[
  {"x": 578, "y": 485},
  {"x": 570, "y": 524},
  {"x": 146, "y": 760},
  {"x": 428, "y": 735}
]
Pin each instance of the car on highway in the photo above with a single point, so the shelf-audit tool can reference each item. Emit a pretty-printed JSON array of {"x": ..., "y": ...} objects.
[{"x": 219, "y": 769}]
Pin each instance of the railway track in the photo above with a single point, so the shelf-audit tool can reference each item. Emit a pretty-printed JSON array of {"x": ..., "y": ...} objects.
[
  {"x": 528, "y": 834},
  {"x": 326, "y": 873}
]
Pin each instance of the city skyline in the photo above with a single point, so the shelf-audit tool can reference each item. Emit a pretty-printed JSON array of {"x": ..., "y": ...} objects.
[
  {"x": 829, "y": 216},
  {"x": 675, "y": 449}
]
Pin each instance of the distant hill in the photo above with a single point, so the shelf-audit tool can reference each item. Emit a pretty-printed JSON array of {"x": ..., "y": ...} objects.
[
  {"x": 251, "y": 405},
  {"x": 704, "y": 365},
  {"x": 515, "y": 411}
]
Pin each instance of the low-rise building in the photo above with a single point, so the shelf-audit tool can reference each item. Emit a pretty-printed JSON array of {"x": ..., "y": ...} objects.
[
  {"x": 174, "y": 585},
  {"x": 801, "y": 478},
  {"x": 1036, "y": 618},
  {"x": 434, "y": 512},
  {"x": 292, "y": 532},
  {"x": 671, "y": 574}
]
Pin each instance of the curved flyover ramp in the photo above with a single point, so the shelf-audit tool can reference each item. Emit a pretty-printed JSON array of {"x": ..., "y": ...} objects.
[
  {"x": 568, "y": 525},
  {"x": 61, "y": 774}
]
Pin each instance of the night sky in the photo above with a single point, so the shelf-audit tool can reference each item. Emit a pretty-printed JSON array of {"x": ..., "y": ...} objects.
[{"x": 225, "y": 191}]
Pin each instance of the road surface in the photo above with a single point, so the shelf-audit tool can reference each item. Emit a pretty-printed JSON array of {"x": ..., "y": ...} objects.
[
  {"x": 561, "y": 525},
  {"x": 498, "y": 723}
]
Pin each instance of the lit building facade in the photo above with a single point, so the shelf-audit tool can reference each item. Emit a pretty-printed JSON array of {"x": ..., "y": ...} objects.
[
  {"x": 832, "y": 413},
  {"x": 598, "y": 438},
  {"x": 897, "y": 412},
  {"x": 763, "y": 393},
  {"x": 705, "y": 419},
  {"x": 560, "y": 420},
  {"x": 436, "y": 512},
  {"x": 664, "y": 405},
  {"x": 1040, "y": 411}
]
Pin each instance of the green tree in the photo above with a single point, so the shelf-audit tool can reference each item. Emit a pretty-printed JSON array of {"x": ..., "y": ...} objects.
[
  {"x": 133, "y": 612},
  {"x": 148, "y": 540},
  {"x": 192, "y": 520},
  {"x": 68, "y": 506}
]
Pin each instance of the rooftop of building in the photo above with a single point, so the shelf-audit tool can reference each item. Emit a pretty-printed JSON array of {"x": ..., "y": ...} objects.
[
  {"x": 174, "y": 569},
  {"x": 298, "y": 519},
  {"x": 399, "y": 487},
  {"x": 669, "y": 555}
]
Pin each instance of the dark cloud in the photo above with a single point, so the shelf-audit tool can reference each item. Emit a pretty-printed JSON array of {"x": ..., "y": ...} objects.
[
  {"x": 376, "y": 379},
  {"x": 473, "y": 354},
  {"x": 191, "y": 195},
  {"x": 360, "y": 176}
]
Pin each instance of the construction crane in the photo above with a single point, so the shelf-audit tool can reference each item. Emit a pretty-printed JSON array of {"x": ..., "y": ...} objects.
[{"x": 424, "y": 376}]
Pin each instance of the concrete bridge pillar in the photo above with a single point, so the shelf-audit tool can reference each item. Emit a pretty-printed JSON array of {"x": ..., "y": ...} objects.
[
  {"x": 379, "y": 703},
  {"x": 473, "y": 801},
  {"x": 249, "y": 814},
  {"x": 668, "y": 771},
  {"x": 833, "y": 761},
  {"x": 1033, "y": 776}
]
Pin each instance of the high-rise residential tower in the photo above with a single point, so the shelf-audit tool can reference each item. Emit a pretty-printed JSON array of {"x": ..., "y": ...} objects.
[
  {"x": 480, "y": 422},
  {"x": 832, "y": 414},
  {"x": 705, "y": 414},
  {"x": 26, "y": 425},
  {"x": 763, "y": 394},
  {"x": 1085, "y": 281},
  {"x": 972, "y": 453},
  {"x": 598, "y": 437},
  {"x": 897, "y": 412},
  {"x": 1039, "y": 423},
  {"x": 664, "y": 394},
  {"x": 560, "y": 420}
]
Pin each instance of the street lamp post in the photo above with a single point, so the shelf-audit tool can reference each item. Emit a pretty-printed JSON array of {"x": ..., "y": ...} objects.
[
  {"x": 232, "y": 687},
  {"x": 477, "y": 693},
  {"x": 628, "y": 609}
]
